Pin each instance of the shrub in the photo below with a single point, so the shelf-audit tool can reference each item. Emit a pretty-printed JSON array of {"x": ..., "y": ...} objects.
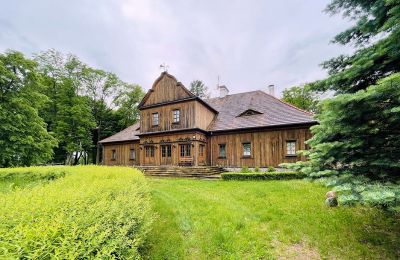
[
  {"x": 271, "y": 169},
  {"x": 32, "y": 173},
  {"x": 257, "y": 169},
  {"x": 245, "y": 169},
  {"x": 94, "y": 212},
  {"x": 262, "y": 176}
]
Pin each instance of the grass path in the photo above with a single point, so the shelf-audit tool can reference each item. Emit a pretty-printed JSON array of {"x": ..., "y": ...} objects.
[{"x": 263, "y": 220}]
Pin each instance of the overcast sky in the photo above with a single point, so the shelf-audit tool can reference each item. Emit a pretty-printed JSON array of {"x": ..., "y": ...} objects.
[{"x": 249, "y": 44}]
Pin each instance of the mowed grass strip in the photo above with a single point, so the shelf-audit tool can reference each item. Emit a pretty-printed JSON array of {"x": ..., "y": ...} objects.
[
  {"x": 262, "y": 220},
  {"x": 20, "y": 177},
  {"x": 92, "y": 212}
]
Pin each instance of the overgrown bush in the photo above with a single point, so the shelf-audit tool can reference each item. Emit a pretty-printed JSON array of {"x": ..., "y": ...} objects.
[
  {"x": 262, "y": 176},
  {"x": 257, "y": 169},
  {"x": 93, "y": 212}
]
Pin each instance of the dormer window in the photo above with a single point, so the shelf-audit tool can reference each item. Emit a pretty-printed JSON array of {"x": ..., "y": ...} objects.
[
  {"x": 250, "y": 112},
  {"x": 155, "y": 119}
]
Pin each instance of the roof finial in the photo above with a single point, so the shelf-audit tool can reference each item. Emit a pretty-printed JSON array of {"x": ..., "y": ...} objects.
[{"x": 164, "y": 67}]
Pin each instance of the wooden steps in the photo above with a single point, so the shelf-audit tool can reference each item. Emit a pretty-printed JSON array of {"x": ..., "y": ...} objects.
[{"x": 198, "y": 172}]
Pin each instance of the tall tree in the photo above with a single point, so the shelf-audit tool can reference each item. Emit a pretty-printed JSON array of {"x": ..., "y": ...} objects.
[
  {"x": 24, "y": 139},
  {"x": 356, "y": 146},
  {"x": 376, "y": 35},
  {"x": 301, "y": 97},
  {"x": 66, "y": 111},
  {"x": 127, "y": 102},
  {"x": 198, "y": 88}
]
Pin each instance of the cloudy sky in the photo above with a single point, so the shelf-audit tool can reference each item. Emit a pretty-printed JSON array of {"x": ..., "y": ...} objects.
[{"x": 249, "y": 44}]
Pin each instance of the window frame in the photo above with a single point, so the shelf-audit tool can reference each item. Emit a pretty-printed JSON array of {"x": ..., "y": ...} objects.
[
  {"x": 113, "y": 154},
  {"x": 153, "y": 117},
  {"x": 149, "y": 151},
  {"x": 201, "y": 149},
  {"x": 294, "y": 148},
  {"x": 166, "y": 151},
  {"x": 186, "y": 151},
  {"x": 132, "y": 158},
  {"x": 219, "y": 151},
  {"x": 244, "y": 151},
  {"x": 176, "y": 118}
]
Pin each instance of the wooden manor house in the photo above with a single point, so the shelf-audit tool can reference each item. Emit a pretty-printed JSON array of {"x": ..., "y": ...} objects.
[{"x": 177, "y": 128}]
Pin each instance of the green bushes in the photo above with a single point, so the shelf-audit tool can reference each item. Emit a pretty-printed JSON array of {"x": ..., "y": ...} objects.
[
  {"x": 93, "y": 212},
  {"x": 262, "y": 176}
]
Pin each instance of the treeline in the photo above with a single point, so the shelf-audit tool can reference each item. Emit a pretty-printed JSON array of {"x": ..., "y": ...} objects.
[{"x": 55, "y": 108}]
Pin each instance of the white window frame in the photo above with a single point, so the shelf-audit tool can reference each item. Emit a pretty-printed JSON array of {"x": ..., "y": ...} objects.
[
  {"x": 176, "y": 115},
  {"x": 246, "y": 149},
  {"x": 291, "y": 147},
  {"x": 132, "y": 152},
  {"x": 155, "y": 119},
  {"x": 113, "y": 154}
]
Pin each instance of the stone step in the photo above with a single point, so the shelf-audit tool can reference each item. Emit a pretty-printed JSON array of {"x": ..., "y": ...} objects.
[{"x": 199, "y": 172}]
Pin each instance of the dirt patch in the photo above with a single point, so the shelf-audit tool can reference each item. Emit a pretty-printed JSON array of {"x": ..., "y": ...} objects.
[{"x": 299, "y": 251}]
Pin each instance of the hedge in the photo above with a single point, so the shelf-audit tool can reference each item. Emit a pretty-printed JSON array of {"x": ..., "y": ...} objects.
[
  {"x": 93, "y": 212},
  {"x": 262, "y": 176}
]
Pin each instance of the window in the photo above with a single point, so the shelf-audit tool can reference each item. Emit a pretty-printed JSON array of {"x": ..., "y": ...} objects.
[
  {"x": 176, "y": 116},
  {"x": 149, "y": 151},
  {"x": 222, "y": 150},
  {"x": 155, "y": 119},
  {"x": 247, "y": 149},
  {"x": 165, "y": 151},
  {"x": 201, "y": 150},
  {"x": 113, "y": 155},
  {"x": 185, "y": 150},
  {"x": 291, "y": 148},
  {"x": 132, "y": 154}
]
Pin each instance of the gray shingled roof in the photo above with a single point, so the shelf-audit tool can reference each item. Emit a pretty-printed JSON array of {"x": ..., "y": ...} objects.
[
  {"x": 128, "y": 134},
  {"x": 274, "y": 111}
]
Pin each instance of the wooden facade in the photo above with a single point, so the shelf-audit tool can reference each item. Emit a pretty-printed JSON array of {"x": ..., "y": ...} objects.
[
  {"x": 121, "y": 153},
  {"x": 177, "y": 128},
  {"x": 268, "y": 147}
]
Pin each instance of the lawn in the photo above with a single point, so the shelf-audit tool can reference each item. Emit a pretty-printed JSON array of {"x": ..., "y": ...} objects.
[
  {"x": 102, "y": 212},
  {"x": 258, "y": 220}
]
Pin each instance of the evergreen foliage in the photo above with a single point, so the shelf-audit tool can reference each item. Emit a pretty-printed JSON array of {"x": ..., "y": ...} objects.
[
  {"x": 356, "y": 146},
  {"x": 376, "y": 36}
]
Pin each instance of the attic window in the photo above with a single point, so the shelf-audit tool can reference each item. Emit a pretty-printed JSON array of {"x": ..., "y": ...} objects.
[{"x": 250, "y": 112}]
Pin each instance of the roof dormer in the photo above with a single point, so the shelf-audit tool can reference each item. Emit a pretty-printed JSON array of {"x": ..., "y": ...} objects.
[{"x": 249, "y": 112}]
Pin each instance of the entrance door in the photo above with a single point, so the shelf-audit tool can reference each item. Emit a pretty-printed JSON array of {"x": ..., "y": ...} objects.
[{"x": 166, "y": 154}]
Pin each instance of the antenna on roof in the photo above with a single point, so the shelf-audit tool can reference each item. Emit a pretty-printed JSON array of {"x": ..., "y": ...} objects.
[{"x": 164, "y": 67}]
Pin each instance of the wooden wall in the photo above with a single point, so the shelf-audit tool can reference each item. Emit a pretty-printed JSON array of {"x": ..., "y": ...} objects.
[
  {"x": 193, "y": 114},
  {"x": 166, "y": 88},
  {"x": 268, "y": 148},
  {"x": 122, "y": 153},
  {"x": 187, "y": 117},
  {"x": 204, "y": 116}
]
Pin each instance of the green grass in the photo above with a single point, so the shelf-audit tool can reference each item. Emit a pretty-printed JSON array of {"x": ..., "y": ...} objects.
[{"x": 262, "y": 220}]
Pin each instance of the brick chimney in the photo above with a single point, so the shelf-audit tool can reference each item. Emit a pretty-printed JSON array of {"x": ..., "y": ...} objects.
[
  {"x": 271, "y": 90},
  {"x": 223, "y": 91}
]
